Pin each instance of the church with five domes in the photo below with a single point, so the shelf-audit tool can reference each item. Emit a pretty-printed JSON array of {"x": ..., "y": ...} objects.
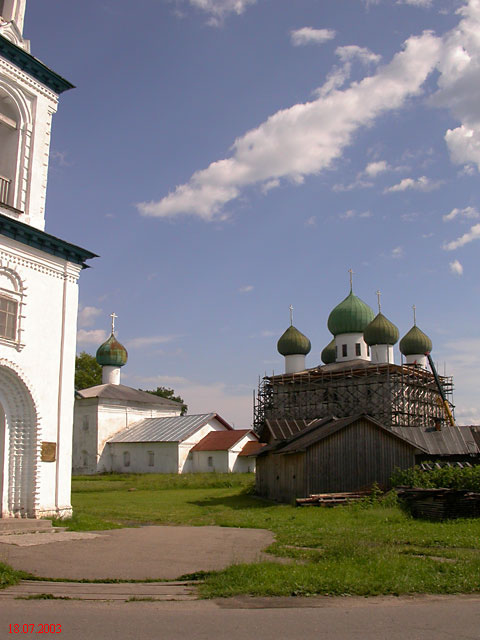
[{"x": 348, "y": 422}]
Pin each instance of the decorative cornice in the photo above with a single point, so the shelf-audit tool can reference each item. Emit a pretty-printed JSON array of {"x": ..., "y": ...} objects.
[
  {"x": 34, "y": 67},
  {"x": 33, "y": 237}
]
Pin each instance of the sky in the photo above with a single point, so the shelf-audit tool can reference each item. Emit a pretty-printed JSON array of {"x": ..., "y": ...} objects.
[{"x": 229, "y": 158}]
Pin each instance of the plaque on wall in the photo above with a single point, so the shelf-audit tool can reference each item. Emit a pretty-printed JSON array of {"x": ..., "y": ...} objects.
[{"x": 49, "y": 451}]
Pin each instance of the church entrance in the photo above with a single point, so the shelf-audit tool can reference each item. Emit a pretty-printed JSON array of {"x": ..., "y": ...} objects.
[{"x": 18, "y": 446}]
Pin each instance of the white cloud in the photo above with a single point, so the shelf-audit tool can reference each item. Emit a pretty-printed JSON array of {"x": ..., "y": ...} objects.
[
  {"x": 471, "y": 235},
  {"x": 468, "y": 212},
  {"x": 417, "y": 3},
  {"x": 309, "y": 35},
  {"x": 92, "y": 336},
  {"x": 304, "y": 139},
  {"x": 218, "y": 10},
  {"x": 374, "y": 168},
  {"x": 246, "y": 288},
  {"x": 463, "y": 359},
  {"x": 149, "y": 341},
  {"x": 459, "y": 85},
  {"x": 351, "y": 213},
  {"x": 87, "y": 315},
  {"x": 420, "y": 184},
  {"x": 456, "y": 268},
  {"x": 311, "y": 222},
  {"x": 397, "y": 252},
  {"x": 352, "y": 51}
]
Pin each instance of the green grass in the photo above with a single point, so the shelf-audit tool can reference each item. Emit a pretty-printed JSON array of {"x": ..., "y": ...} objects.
[
  {"x": 9, "y": 576},
  {"x": 363, "y": 549}
]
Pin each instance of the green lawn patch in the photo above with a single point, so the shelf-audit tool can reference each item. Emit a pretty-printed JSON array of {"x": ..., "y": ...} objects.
[
  {"x": 8, "y": 576},
  {"x": 369, "y": 548}
]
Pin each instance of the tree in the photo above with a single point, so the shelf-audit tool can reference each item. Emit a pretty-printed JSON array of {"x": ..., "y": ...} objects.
[
  {"x": 165, "y": 392},
  {"x": 88, "y": 373}
]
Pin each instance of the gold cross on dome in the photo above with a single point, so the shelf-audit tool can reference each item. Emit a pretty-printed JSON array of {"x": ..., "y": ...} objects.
[
  {"x": 113, "y": 316},
  {"x": 414, "y": 315},
  {"x": 291, "y": 315},
  {"x": 378, "y": 300}
]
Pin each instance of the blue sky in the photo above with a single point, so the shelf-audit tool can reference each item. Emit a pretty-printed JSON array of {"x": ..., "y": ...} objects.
[{"x": 228, "y": 158}]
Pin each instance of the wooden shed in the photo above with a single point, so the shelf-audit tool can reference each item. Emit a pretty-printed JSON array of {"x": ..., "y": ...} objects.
[{"x": 333, "y": 455}]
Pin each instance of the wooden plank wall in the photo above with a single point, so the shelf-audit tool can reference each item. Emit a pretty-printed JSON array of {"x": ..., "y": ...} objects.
[
  {"x": 349, "y": 460},
  {"x": 354, "y": 458}
]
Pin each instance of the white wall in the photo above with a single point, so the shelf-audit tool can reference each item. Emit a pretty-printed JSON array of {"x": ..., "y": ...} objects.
[
  {"x": 219, "y": 461},
  {"x": 382, "y": 353},
  {"x": 351, "y": 339},
  {"x": 294, "y": 363},
  {"x": 186, "y": 464},
  {"x": 44, "y": 355},
  {"x": 110, "y": 417},
  {"x": 35, "y": 105},
  {"x": 165, "y": 457}
]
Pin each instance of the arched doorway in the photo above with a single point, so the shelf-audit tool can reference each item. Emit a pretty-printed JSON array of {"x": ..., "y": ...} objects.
[{"x": 18, "y": 445}]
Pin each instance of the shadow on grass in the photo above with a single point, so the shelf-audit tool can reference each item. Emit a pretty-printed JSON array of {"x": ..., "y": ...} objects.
[{"x": 235, "y": 502}]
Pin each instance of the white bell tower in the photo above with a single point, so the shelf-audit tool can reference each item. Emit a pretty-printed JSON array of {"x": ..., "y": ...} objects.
[
  {"x": 12, "y": 14},
  {"x": 28, "y": 99}
]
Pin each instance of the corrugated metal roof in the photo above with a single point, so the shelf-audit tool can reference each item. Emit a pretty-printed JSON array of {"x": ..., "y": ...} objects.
[
  {"x": 127, "y": 394},
  {"x": 220, "y": 440},
  {"x": 448, "y": 441},
  {"x": 173, "y": 429}
]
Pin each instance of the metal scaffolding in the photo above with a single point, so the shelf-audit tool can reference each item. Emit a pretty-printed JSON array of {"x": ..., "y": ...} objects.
[{"x": 395, "y": 395}]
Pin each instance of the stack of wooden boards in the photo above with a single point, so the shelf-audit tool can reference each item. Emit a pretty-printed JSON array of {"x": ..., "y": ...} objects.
[
  {"x": 331, "y": 499},
  {"x": 440, "y": 504}
]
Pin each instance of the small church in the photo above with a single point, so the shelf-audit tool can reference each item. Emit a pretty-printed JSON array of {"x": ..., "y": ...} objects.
[
  {"x": 38, "y": 290},
  {"x": 349, "y": 422},
  {"x": 126, "y": 430}
]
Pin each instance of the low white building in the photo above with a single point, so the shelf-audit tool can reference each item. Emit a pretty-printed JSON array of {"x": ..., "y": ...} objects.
[{"x": 185, "y": 444}]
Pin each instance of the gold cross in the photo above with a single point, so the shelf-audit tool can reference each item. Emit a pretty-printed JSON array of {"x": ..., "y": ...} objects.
[
  {"x": 378, "y": 299},
  {"x": 291, "y": 315}
]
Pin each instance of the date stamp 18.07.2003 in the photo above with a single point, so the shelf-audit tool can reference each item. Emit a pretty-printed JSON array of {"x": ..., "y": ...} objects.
[{"x": 34, "y": 628}]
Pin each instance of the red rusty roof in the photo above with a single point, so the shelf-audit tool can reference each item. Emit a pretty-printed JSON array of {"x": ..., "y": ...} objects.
[
  {"x": 220, "y": 440},
  {"x": 252, "y": 448}
]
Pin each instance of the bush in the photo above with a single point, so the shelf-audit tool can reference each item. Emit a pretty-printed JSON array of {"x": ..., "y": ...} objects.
[{"x": 467, "y": 479}]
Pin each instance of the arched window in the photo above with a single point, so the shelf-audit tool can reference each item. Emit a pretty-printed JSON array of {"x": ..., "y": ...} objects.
[
  {"x": 11, "y": 303},
  {"x": 9, "y": 141}
]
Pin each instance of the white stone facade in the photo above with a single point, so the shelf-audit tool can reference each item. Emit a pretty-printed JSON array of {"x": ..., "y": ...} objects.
[
  {"x": 36, "y": 380},
  {"x": 96, "y": 420},
  {"x": 351, "y": 346},
  {"x": 38, "y": 292}
]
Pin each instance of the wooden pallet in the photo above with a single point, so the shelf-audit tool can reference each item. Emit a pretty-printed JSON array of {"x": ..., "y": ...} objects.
[{"x": 440, "y": 504}]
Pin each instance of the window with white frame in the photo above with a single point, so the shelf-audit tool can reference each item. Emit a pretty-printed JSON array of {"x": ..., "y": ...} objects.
[
  {"x": 344, "y": 350},
  {"x": 210, "y": 461},
  {"x": 358, "y": 349},
  {"x": 11, "y": 303}
]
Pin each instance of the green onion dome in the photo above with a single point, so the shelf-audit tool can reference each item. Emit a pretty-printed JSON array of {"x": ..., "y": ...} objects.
[
  {"x": 352, "y": 315},
  {"x": 111, "y": 353},
  {"x": 380, "y": 331},
  {"x": 293, "y": 343},
  {"x": 415, "y": 342},
  {"x": 328, "y": 354}
]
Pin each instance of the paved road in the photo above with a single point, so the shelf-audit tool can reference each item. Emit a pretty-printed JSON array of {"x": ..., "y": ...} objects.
[
  {"x": 421, "y": 618},
  {"x": 134, "y": 554}
]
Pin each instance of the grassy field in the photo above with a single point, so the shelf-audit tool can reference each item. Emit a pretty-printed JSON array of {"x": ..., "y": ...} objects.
[{"x": 363, "y": 549}]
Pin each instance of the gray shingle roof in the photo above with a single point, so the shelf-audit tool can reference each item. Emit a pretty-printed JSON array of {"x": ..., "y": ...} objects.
[
  {"x": 175, "y": 429},
  {"x": 127, "y": 394}
]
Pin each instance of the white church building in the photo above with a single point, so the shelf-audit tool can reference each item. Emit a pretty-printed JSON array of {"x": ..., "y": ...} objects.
[
  {"x": 38, "y": 290},
  {"x": 126, "y": 430}
]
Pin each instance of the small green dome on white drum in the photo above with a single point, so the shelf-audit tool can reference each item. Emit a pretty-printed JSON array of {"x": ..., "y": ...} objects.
[
  {"x": 328, "y": 353},
  {"x": 352, "y": 315},
  {"x": 415, "y": 342},
  {"x": 293, "y": 343},
  {"x": 381, "y": 331},
  {"x": 111, "y": 353}
]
